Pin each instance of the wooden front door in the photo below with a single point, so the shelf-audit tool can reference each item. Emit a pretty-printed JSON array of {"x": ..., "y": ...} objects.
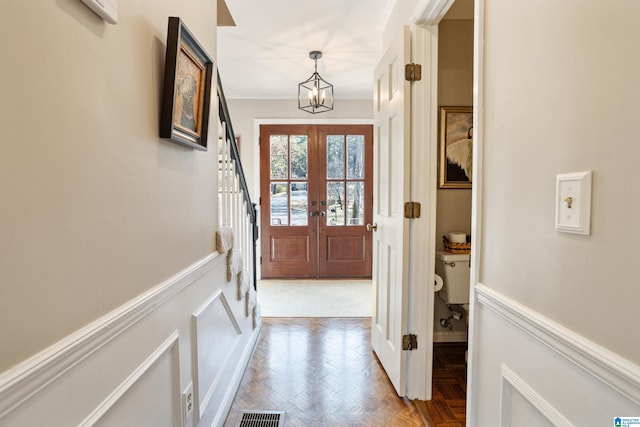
[{"x": 316, "y": 199}]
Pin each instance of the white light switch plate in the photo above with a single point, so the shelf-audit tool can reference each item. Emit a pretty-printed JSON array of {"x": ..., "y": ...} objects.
[{"x": 573, "y": 202}]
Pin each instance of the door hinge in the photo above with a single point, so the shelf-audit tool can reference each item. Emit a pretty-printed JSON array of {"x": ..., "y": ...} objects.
[
  {"x": 260, "y": 260},
  {"x": 413, "y": 72},
  {"x": 412, "y": 210},
  {"x": 409, "y": 342}
]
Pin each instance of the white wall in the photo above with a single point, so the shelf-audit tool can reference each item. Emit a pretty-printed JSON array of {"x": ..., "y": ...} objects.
[
  {"x": 107, "y": 232},
  {"x": 560, "y": 95}
]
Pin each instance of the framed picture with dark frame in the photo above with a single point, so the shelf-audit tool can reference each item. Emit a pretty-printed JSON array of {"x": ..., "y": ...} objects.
[
  {"x": 456, "y": 147},
  {"x": 187, "y": 88}
]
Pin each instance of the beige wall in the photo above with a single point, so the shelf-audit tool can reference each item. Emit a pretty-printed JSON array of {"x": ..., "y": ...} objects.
[
  {"x": 561, "y": 95},
  {"x": 96, "y": 209},
  {"x": 455, "y": 88},
  {"x": 245, "y": 112}
]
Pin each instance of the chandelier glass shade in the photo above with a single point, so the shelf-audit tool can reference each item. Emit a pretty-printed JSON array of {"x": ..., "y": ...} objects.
[{"x": 315, "y": 95}]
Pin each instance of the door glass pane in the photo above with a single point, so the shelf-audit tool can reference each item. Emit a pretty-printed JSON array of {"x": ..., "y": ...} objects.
[
  {"x": 335, "y": 156},
  {"x": 355, "y": 156},
  {"x": 299, "y": 203},
  {"x": 279, "y": 204},
  {"x": 278, "y": 156},
  {"x": 335, "y": 203},
  {"x": 299, "y": 156},
  {"x": 355, "y": 203}
]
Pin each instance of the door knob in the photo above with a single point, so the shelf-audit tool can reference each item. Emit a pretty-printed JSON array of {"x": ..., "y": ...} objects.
[
  {"x": 373, "y": 227},
  {"x": 313, "y": 213}
]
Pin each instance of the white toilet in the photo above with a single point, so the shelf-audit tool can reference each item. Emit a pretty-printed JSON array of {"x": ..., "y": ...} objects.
[{"x": 454, "y": 271}]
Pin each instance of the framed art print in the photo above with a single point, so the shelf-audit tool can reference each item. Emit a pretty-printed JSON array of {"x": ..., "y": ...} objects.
[
  {"x": 187, "y": 88},
  {"x": 456, "y": 147}
]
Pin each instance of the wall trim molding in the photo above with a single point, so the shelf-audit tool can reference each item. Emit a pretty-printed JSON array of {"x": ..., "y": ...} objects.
[
  {"x": 234, "y": 385},
  {"x": 613, "y": 370},
  {"x": 32, "y": 375},
  {"x": 512, "y": 382},
  {"x": 169, "y": 345},
  {"x": 203, "y": 401}
]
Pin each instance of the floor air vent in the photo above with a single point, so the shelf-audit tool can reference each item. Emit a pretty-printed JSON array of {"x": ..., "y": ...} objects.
[{"x": 261, "y": 419}]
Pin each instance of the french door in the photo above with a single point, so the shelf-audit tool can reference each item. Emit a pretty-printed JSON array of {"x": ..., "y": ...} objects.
[{"x": 316, "y": 198}]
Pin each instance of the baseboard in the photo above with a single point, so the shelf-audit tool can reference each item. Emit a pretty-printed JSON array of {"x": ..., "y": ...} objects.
[{"x": 450, "y": 336}]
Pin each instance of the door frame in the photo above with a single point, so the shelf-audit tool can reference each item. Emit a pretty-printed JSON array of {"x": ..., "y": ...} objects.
[
  {"x": 430, "y": 13},
  {"x": 476, "y": 201},
  {"x": 283, "y": 121}
]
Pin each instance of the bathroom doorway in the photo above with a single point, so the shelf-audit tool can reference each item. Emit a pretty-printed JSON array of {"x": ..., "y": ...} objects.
[
  {"x": 453, "y": 214},
  {"x": 455, "y": 89}
]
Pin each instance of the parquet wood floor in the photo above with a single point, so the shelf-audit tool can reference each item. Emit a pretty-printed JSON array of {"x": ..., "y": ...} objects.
[
  {"x": 447, "y": 408},
  {"x": 322, "y": 372}
]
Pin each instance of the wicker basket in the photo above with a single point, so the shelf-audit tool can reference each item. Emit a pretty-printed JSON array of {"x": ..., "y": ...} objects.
[{"x": 456, "y": 248}]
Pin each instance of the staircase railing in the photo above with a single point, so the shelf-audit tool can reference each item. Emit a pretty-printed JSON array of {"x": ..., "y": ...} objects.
[{"x": 236, "y": 210}]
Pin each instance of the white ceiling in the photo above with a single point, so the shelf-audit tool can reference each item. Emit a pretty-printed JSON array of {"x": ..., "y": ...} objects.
[{"x": 266, "y": 54}]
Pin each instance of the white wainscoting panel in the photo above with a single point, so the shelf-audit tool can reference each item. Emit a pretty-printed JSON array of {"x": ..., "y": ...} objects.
[
  {"x": 522, "y": 405},
  {"x": 130, "y": 366},
  {"x": 131, "y": 403},
  {"x": 562, "y": 377},
  {"x": 25, "y": 380},
  {"x": 217, "y": 335}
]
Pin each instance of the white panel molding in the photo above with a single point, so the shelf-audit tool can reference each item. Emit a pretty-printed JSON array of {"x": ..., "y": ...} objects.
[
  {"x": 234, "y": 384},
  {"x": 169, "y": 346},
  {"x": 204, "y": 400},
  {"x": 20, "y": 383},
  {"x": 617, "y": 372},
  {"x": 510, "y": 382}
]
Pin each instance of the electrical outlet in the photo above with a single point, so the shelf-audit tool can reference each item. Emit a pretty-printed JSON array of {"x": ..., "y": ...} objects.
[{"x": 187, "y": 402}]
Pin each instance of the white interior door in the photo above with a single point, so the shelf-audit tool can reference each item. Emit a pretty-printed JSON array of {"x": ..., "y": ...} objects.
[
  {"x": 391, "y": 190},
  {"x": 405, "y": 166}
]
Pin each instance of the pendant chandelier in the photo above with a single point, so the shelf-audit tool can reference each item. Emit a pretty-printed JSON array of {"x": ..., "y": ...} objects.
[{"x": 315, "y": 95}]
